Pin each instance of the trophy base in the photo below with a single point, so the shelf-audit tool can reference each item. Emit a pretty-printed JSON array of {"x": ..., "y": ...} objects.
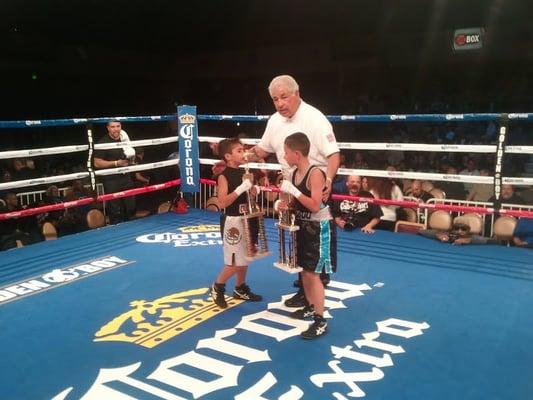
[
  {"x": 288, "y": 228},
  {"x": 258, "y": 256},
  {"x": 254, "y": 214},
  {"x": 288, "y": 268}
]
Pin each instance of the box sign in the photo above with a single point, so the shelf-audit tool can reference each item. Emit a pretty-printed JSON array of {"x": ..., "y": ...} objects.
[{"x": 468, "y": 39}]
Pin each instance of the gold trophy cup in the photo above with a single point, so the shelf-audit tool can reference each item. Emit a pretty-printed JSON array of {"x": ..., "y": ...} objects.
[
  {"x": 288, "y": 246},
  {"x": 254, "y": 225}
]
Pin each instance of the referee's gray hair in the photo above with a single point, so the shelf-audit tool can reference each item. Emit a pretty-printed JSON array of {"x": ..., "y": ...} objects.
[{"x": 285, "y": 80}]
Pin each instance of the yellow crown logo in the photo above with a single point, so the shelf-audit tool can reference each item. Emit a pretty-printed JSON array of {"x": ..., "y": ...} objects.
[
  {"x": 150, "y": 323},
  {"x": 200, "y": 228},
  {"x": 187, "y": 119}
]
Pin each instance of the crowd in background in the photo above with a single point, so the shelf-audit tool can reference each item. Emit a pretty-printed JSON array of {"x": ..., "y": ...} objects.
[{"x": 71, "y": 220}]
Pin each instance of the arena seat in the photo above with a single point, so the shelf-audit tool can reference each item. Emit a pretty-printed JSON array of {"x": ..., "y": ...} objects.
[
  {"x": 504, "y": 227},
  {"x": 142, "y": 213},
  {"x": 440, "y": 220},
  {"x": 164, "y": 207},
  {"x": 473, "y": 220},
  {"x": 427, "y": 186},
  {"x": 410, "y": 214},
  {"x": 49, "y": 231},
  {"x": 408, "y": 227},
  {"x": 437, "y": 193},
  {"x": 95, "y": 219}
]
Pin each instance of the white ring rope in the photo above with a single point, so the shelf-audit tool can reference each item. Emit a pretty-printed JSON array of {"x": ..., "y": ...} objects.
[
  {"x": 138, "y": 143},
  {"x": 82, "y": 175},
  {"x": 44, "y": 180},
  {"x": 135, "y": 168},
  {"x": 271, "y": 166},
  {"x": 395, "y": 174},
  {"x": 459, "y": 148},
  {"x": 83, "y": 147},
  {"x": 42, "y": 152}
]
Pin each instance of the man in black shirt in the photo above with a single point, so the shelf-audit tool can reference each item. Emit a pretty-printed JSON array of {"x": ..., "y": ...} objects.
[
  {"x": 508, "y": 196},
  {"x": 120, "y": 209},
  {"x": 350, "y": 214},
  {"x": 419, "y": 193}
]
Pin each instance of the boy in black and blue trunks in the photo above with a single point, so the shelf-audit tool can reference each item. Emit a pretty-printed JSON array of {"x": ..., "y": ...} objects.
[
  {"x": 317, "y": 245},
  {"x": 231, "y": 194}
]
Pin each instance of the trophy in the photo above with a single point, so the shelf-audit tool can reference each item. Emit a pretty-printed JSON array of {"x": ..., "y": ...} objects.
[
  {"x": 288, "y": 248},
  {"x": 254, "y": 224}
]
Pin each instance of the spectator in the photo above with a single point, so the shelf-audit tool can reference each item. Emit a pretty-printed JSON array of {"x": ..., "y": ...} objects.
[
  {"x": 383, "y": 188},
  {"x": 23, "y": 169},
  {"x": 481, "y": 191},
  {"x": 120, "y": 209},
  {"x": 351, "y": 214},
  {"x": 77, "y": 191},
  {"x": 365, "y": 184},
  {"x": 24, "y": 229},
  {"x": 523, "y": 233},
  {"x": 142, "y": 178},
  {"x": 50, "y": 197},
  {"x": 417, "y": 192},
  {"x": 470, "y": 170},
  {"x": 359, "y": 161},
  {"x": 508, "y": 196},
  {"x": 458, "y": 235},
  {"x": 453, "y": 190}
]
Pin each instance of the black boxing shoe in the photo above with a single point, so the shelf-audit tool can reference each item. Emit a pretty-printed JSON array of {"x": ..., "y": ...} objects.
[
  {"x": 303, "y": 313},
  {"x": 298, "y": 300},
  {"x": 243, "y": 292},
  {"x": 316, "y": 329},
  {"x": 217, "y": 294}
]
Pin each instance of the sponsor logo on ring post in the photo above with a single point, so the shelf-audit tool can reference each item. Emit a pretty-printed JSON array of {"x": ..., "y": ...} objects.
[{"x": 188, "y": 149}]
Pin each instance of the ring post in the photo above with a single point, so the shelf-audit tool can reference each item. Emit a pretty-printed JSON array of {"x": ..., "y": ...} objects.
[
  {"x": 500, "y": 151},
  {"x": 90, "y": 158},
  {"x": 188, "y": 149}
]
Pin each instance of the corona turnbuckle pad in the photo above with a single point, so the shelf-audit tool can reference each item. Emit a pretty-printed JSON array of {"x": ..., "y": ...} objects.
[{"x": 287, "y": 240}]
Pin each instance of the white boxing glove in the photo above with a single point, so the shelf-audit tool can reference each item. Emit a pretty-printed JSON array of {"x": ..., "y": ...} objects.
[
  {"x": 289, "y": 188},
  {"x": 243, "y": 187},
  {"x": 124, "y": 136},
  {"x": 129, "y": 152},
  {"x": 257, "y": 189}
]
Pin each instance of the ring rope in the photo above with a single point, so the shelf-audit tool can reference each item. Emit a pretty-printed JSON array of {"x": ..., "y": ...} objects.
[
  {"x": 459, "y": 148},
  {"x": 44, "y": 180},
  {"x": 395, "y": 174},
  {"x": 43, "y": 151},
  {"x": 82, "y": 175},
  {"x": 502, "y": 118},
  {"x": 138, "y": 143},
  {"x": 88, "y": 200},
  {"x": 90, "y": 157},
  {"x": 135, "y": 168},
  {"x": 256, "y": 118},
  {"x": 408, "y": 204}
]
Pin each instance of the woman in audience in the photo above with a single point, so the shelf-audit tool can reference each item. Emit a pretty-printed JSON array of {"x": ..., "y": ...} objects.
[{"x": 383, "y": 188}]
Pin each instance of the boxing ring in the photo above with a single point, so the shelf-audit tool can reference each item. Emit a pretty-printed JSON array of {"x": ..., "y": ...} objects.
[{"x": 122, "y": 312}]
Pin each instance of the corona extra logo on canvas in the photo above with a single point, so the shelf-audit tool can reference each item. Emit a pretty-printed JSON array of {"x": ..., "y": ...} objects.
[
  {"x": 150, "y": 323},
  {"x": 199, "y": 228},
  {"x": 189, "y": 236},
  {"x": 187, "y": 119}
]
